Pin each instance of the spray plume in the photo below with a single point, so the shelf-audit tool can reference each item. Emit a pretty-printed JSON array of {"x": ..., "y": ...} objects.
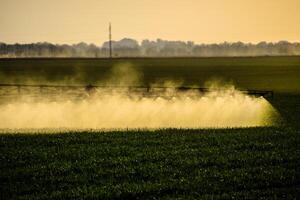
[{"x": 120, "y": 109}]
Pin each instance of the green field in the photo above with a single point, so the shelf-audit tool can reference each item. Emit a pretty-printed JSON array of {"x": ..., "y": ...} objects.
[
  {"x": 248, "y": 163},
  {"x": 231, "y": 163}
]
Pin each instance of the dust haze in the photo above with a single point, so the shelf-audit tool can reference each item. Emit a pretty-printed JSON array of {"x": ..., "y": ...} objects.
[{"x": 124, "y": 108}]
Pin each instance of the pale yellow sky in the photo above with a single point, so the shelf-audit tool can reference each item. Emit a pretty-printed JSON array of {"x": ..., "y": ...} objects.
[{"x": 202, "y": 21}]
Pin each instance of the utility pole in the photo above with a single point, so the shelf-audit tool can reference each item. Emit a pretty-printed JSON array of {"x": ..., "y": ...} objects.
[{"x": 110, "y": 44}]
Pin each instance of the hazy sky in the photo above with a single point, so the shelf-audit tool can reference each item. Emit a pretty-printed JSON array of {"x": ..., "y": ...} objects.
[{"x": 202, "y": 21}]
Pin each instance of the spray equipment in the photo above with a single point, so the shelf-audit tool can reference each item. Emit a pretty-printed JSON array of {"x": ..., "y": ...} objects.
[{"x": 144, "y": 91}]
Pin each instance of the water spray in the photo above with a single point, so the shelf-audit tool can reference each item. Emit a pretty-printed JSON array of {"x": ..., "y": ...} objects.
[{"x": 124, "y": 105}]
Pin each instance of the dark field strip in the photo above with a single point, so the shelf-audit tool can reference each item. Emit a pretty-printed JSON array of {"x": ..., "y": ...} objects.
[
  {"x": 225, "y": 163},
  {"x": 281, "y": 74}
]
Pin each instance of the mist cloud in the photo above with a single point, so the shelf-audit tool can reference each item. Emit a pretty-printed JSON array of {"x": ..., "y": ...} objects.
[{"x": 111, "y": 108}]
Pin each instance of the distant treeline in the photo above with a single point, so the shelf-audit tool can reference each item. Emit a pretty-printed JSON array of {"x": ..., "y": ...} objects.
[{"x": 159, "y": 48}]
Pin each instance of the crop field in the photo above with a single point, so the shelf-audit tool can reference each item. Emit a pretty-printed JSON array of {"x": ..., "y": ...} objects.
[{"x": 223, "y": 163}]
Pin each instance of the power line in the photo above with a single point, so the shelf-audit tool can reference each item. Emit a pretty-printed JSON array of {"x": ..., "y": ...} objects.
[{"x": 110, "y": 44}]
